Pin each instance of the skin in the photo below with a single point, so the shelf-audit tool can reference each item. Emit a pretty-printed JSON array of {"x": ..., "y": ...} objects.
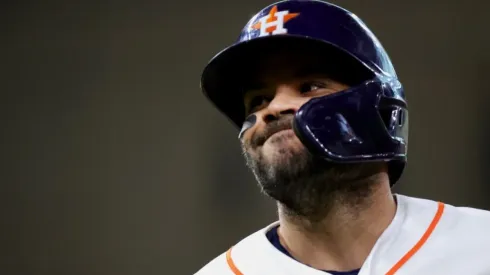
[{"x": 330, "y": 215}]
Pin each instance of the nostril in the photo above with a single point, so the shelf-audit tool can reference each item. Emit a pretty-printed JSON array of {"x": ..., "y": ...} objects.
[
  {"x": 288, "y": 112},
  {"x": 269, "y": 118}
]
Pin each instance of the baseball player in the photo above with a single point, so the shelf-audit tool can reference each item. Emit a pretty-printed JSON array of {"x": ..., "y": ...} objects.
[{"x": 324, "y": 129}]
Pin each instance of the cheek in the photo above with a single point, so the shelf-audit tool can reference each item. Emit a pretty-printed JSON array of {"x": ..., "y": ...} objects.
[
  {"x": 246, "y": 138},
  {"x": 245, "y": 142}
]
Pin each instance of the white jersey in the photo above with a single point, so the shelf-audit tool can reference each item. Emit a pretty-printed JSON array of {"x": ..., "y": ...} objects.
[{"x": 424, "y": 238}]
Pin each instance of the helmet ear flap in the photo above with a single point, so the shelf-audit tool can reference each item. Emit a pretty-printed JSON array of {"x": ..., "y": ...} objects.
[
  {"x": 394, "y": 114},
  {"x": 348, "y": 127}
]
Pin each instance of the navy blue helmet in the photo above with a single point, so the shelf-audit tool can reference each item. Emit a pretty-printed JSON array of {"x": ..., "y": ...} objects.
[{"x": 366, "y": 122}]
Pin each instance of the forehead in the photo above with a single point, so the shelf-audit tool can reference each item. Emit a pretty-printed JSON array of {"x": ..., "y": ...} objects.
[{"x": 288, "y": 65}]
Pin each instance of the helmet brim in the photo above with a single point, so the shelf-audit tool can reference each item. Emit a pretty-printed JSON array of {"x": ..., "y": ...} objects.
[{"x": 223, "y": 77}]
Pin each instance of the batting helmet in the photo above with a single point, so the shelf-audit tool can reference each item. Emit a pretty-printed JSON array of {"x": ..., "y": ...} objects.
[{"x": 366, "y": 122}]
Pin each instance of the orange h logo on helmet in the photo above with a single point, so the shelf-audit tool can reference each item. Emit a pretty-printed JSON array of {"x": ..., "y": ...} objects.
[{"x": 273, "y": 23}]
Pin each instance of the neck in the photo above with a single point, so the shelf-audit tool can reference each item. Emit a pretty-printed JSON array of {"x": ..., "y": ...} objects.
[{"x": 343, "y": 239}]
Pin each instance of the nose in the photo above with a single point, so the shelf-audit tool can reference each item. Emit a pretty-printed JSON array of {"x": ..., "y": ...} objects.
[{"x": 285, "y": 102}]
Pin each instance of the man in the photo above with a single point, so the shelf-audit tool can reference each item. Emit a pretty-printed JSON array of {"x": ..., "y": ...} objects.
[{"x": 324, "y": 125}]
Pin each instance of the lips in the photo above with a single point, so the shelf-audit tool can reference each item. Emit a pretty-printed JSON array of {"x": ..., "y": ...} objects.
[{"x": 273, "y": 128}]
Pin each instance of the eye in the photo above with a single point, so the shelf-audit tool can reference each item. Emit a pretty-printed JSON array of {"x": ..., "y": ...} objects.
[
  {"x": 256, "y": 102},
  {"x": 311, "y": 86}
]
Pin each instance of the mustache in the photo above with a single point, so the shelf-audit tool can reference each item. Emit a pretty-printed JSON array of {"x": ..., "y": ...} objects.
[{"x": 284, "y": 123}]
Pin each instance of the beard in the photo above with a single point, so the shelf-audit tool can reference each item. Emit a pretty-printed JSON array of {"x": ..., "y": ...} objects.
[{"x": 305, "y": 185}]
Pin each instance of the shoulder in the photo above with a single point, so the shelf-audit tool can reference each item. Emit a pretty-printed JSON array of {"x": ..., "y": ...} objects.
[
  {"x": 459, "y": 212},
  {"x": 248, "y": 248},
  {"x": 437, "y": 232},
  {"x": 455, "y": 221},
  {"x": 468, "y": 220},
  {"x": 217, "y": 266},
  {"x": 471, "y": 213}
]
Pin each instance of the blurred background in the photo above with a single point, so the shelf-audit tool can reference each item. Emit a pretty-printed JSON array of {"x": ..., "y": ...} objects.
[{"x": 114, "y": 163}]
